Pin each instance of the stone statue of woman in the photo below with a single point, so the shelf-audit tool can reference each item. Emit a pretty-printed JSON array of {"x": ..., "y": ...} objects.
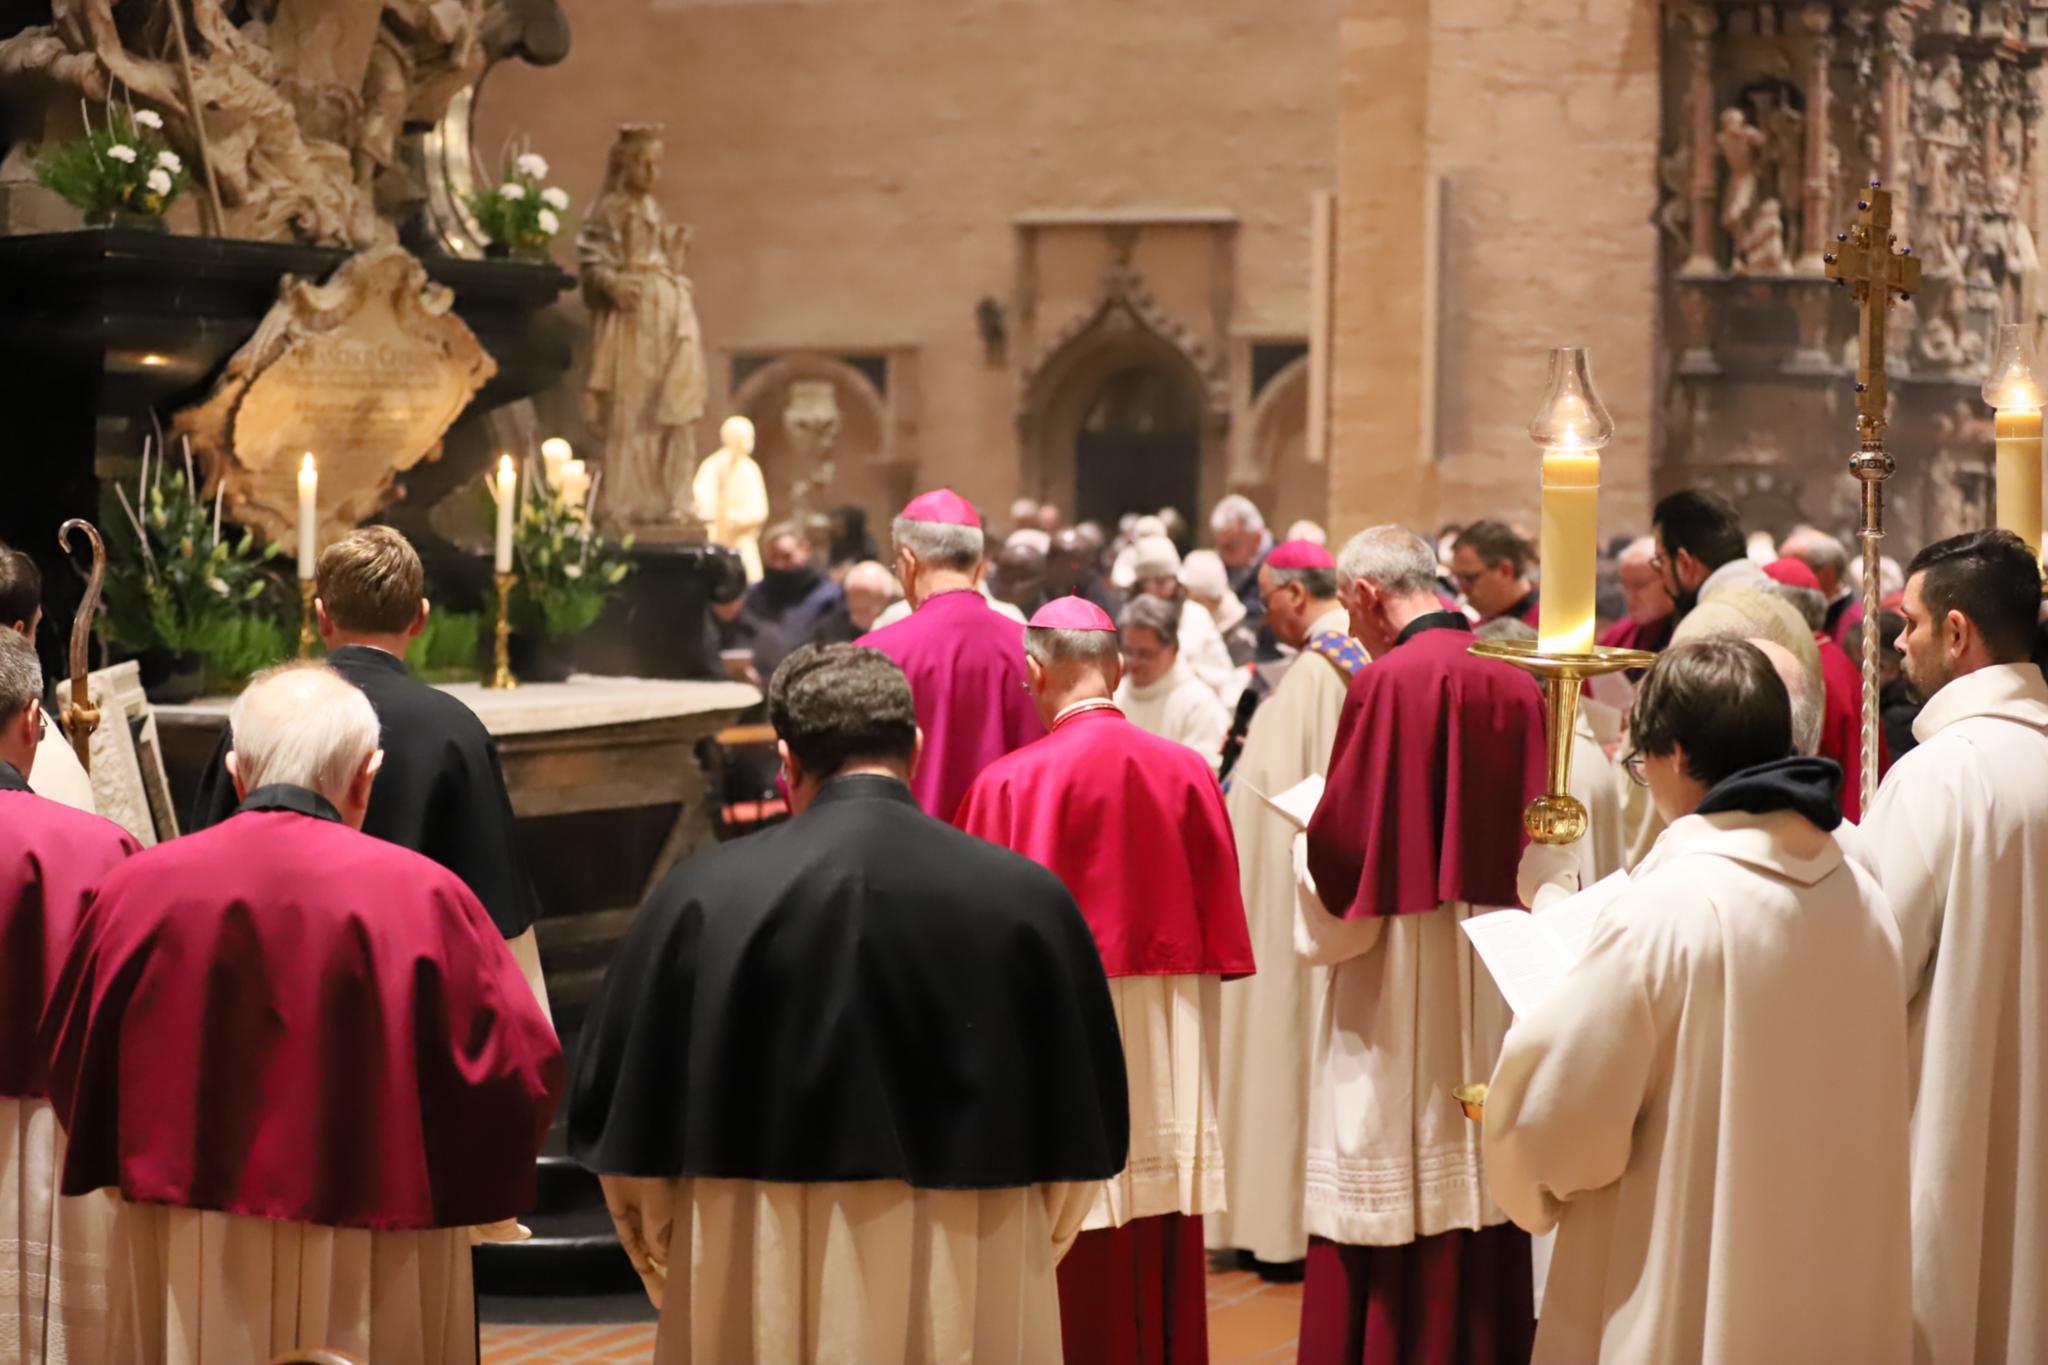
[{"x": 647, "y": 376}]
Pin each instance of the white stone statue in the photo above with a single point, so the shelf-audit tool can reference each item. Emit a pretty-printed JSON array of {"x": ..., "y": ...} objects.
[
  {"x": 730, "y": 495},
  {"x": 647, "y": 377}
]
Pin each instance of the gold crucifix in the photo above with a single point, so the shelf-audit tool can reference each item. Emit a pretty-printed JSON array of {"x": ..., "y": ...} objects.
[{"x": 1865, "y": 261}]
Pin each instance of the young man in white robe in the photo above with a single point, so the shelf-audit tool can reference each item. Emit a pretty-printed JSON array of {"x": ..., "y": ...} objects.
[
  {"x": 1710, "y": 1108},
  {"x": 1958, "y": 837},
  {"x": 1269, "y": 1020},
  {"x": 1158, "y": 693},
  {"x": 53, "y": 1251}
]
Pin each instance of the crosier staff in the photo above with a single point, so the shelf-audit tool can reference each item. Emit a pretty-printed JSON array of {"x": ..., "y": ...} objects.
[{"x": 80, "y": 717}]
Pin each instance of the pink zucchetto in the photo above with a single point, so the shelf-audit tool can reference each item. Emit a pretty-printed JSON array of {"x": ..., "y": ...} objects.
[
  {"x": 1300, "y": 554},
  {"x": 1072, "y": 613},
  {"x": 944, "y": 506}
]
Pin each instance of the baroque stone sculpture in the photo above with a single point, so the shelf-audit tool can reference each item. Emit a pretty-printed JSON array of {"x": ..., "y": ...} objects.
[
  {"x": 647, "y": 377},
  {"x": 304, "y": 101}
]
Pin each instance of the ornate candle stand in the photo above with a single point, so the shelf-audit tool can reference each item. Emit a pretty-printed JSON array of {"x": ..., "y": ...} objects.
[
  {"x": 306, "y": 593},
  {"x": 501, "y": 672},
  {"x": 1558, "y": 817}
]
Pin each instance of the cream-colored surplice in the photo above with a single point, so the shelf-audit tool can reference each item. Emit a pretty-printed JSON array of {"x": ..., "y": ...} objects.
[
  {"x": 1711, "y": 1110},
  {"x": 1269, "y": 1019},
  {"x": 1958, "y": 837},
  {"x": 842, "y": 1274},
  {"x": 1176, "y": 1163},
  {"x": 53, "y": 1251},
  {"x": 198, "y": 1288},
  {"x": 1409, "y": 1016}
]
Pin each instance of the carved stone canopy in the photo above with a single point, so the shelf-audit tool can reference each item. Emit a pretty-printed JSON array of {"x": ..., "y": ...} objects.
[
  {"x": 366, "y": 371},
  {"x": 1126, "y": 306}
]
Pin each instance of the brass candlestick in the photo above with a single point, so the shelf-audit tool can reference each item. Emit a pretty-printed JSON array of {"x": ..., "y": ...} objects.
[
  {"x": 1557, "y": 817},
  {"x": 305, "y": 618},
  {"x": 501, "y": 673}
]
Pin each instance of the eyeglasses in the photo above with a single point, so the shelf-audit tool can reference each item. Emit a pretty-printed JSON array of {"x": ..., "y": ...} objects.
[{"x": 1632, "y": 764}]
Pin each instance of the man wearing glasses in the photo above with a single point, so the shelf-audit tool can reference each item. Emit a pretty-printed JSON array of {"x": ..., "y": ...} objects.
[
  {"x": 1678, "y": 1107},
  {"x": 1491, "y": 565}
]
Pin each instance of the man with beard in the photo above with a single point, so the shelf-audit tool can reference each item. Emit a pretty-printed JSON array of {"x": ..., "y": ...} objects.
[
  {"x": 1718, "y": 590},
  {"x": 1958, "y": 836}
]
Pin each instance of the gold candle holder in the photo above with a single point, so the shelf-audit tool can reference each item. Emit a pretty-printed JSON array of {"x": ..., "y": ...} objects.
[
  {"x": 1558, "y": 817},
  {"x": 306, "y": 586},
  {"x": 501, "y": 673}
]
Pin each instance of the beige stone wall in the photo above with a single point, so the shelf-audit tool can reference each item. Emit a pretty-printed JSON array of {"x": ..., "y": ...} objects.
[
  {"x": 853, "y": 167},
  {"x": 1495, "y": 184}
]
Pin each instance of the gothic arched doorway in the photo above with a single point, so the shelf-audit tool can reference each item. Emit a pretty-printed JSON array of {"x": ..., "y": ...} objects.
[{"x": 1139, "y": 446}]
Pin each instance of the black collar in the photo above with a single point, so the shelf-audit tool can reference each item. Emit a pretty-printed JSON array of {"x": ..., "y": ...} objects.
[
  {"x": 11, "y": 779},
  {"x": 284, "y": 796},
  {"x": 863, "y": 787},
  {"x": 369, "y": 655},
  {"x": 1520, "y": 611},
  {"x": 1432, "y": 620}
]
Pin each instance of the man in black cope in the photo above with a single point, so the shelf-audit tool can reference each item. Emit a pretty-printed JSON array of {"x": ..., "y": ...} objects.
[
  {"x": 440, "y": 792},
  {"x": 848, "y": 1076}
]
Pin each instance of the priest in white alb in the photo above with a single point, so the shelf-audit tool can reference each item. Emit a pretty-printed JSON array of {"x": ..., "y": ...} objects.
[
  {"x": 53, "y": 1251},
  {"x": 1710, "y": 1106},
  {"x": 1958, "y": 836},
  {"x": 1269, "y": 1019}
]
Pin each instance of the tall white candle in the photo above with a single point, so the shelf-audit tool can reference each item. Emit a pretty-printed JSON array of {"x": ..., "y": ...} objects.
[
  {"x": 1571, "y": 426},
  {"x": 508, "y": 500},
  {"x": 309, "y": 516},
  {"x": 2016, "y": 394},
  {"x": 556, "y": 455}
]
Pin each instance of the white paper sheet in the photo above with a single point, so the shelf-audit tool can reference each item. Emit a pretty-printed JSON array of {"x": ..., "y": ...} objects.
[
  {"x": 1529, "y": 954},
  {"x": 1298, "y": 803}
]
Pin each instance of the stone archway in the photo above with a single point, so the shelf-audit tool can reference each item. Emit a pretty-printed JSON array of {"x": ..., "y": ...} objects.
[
  {"x": 1130, "y": 391},
  {"x": 866, "y": 468},
  {"x": 1276, "y": 472}
]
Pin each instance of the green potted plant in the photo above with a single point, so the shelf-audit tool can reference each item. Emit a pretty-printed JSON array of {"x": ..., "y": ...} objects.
[
  {"x": 195, "y": 604},
  {"x": 566, "y": 574},
  {"x": 522, "y": 214},
  {"x": 121, "y": 174}
]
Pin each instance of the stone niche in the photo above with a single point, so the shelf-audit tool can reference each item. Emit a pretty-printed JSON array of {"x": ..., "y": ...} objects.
[{"x": 1774, "y": 117}]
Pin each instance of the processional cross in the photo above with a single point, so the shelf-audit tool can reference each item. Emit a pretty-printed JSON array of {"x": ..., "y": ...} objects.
[{"x": 1866, "y": 259}]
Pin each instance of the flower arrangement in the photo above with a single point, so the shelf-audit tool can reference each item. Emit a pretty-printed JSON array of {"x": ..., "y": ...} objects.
[
  {"x": 175, "y": 582},
  {"x": 522, "y": 213},
  {"x": 123, "y": 167},
  {"x": 567, "y": 572}
]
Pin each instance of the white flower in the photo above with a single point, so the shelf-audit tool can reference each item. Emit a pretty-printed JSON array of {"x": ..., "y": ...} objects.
[
  {"x": 149, "y": 118},
  {"x": 168, "y": 159},
  {"x": 218, "y": 585},
  {"x": 512, "y": 191},
  {"x": 554, "y": 197},
  {"x": 533, "y": 164},
  {"x": 159, "y": 181},
  {"x": 122, "y": 152},
  {"x": 548, "y": 222}
]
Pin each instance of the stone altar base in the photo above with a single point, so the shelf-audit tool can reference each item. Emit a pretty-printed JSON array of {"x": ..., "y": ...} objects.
[{"x": 655, "y": 626}]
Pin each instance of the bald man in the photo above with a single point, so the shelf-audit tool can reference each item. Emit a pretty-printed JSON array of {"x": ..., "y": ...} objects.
[{"x": 392, "y": 1074}]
